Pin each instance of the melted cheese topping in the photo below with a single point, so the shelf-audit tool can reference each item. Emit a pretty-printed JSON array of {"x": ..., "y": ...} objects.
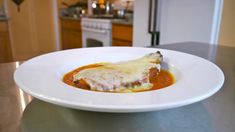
[{"x": 119, "y": 76}]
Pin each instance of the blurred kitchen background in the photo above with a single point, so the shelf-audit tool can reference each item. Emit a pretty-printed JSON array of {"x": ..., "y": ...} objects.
[{"x": 29, "y": 28}]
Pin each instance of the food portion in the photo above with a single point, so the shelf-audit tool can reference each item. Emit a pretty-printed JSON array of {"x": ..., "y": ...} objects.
[{"x": 127, "y": 76}]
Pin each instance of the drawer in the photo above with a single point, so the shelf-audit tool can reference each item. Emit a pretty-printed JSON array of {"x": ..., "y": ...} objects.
[
  {"x": 119, "y": 42},
  {"x": 71, "y": 24}
]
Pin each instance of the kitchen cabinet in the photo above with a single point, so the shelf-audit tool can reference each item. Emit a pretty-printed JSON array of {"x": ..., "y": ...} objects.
[
  {"x": 71, "y": 33},
  {"x": 121, "y": 34},
  {"x": 5, "y": 47},
  {"x": 33, "y": 31}
]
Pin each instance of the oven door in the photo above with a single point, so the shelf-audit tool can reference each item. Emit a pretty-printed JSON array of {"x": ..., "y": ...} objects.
[{"x": 93, "y": 37}]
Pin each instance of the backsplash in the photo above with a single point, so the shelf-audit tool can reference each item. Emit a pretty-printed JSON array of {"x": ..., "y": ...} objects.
[{"x": 123, "y": 4}]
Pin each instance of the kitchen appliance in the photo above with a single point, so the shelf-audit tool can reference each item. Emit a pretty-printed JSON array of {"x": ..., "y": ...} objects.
[
  {"x": 153, "y": 22},
  {"x": 159, "y": 22},
  {"x": 96, "y": 32}
]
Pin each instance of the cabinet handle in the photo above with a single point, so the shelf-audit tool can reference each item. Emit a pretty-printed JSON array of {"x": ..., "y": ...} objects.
[{"x": 93, "y": 30}]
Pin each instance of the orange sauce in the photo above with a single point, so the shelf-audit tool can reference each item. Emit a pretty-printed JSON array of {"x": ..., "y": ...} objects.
[
  {"x": 161, "y": 80},
  {"x": 68, "y": 78}
]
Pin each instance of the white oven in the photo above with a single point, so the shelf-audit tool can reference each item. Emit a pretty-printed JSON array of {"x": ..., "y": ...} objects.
[{"x": 96, "y": 32}]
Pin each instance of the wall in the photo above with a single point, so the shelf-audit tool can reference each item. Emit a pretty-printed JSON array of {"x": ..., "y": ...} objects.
[
  {"x": 122, "y": 4},
  {"x": 32, "y": 29},
  {"x": 227, "y": 29}
]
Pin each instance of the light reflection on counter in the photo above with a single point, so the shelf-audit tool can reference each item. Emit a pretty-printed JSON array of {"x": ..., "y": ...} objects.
[{"x": 24, "y": 98}]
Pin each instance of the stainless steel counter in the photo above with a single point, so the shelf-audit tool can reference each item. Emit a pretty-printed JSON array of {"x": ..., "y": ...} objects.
[
  {"x": 69, "y": 18},
  {"x": 114, "y": 21},
  {"x": 122, "y": 22},
  {"x": 215, "y": 114}
]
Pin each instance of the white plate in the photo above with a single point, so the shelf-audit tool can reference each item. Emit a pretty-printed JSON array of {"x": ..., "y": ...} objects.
[{"x": 41, "y": 77}]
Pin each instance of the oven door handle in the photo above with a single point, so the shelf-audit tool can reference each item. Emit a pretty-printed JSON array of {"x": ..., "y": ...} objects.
[{"x": 93, "y": 30}]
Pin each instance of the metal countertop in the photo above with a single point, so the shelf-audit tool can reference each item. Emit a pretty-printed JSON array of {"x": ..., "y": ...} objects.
[{"x": 19, "y": 112}]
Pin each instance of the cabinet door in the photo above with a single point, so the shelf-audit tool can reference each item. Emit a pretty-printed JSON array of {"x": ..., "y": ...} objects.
[
  {"x": 122, "y": 35},
  {"x": 32, "y": 30},
  {"x": 71, "y": 39},
  {"x": 5, "y": 48},
  {"x": 71, "y": 34},
  {"x": 120, "y": 42}
]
